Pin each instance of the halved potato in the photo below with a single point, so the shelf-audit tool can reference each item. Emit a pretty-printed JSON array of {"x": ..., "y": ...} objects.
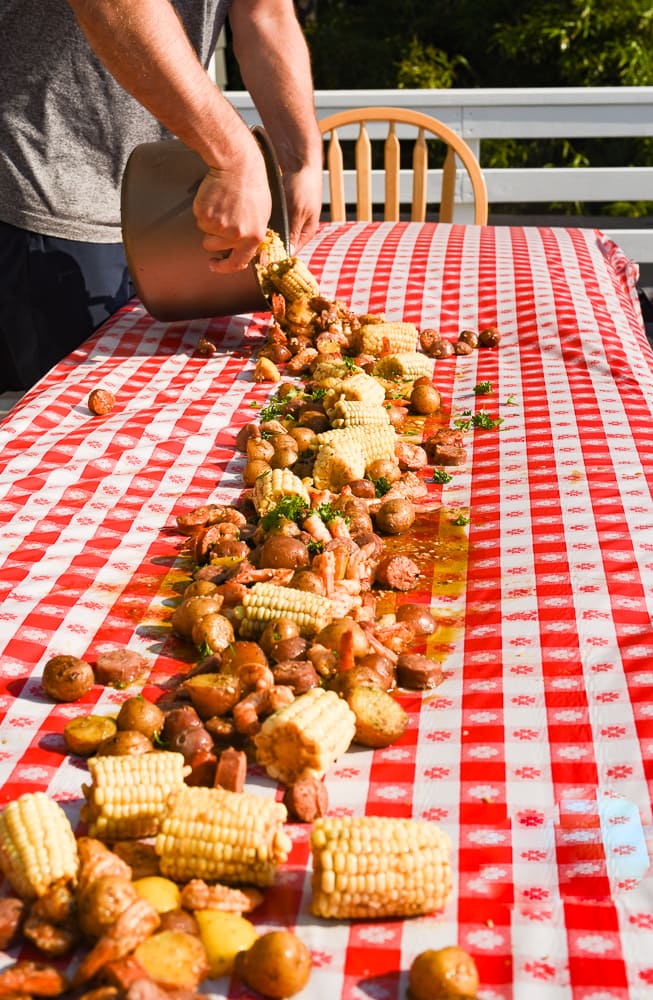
[
  {"x": 380, "y": 719},
  {"x": 223, "y": 936},
  {"x": 162, "y": 893},
  {"x": 174, "y": 959},
  {"x": 84, "y": 734}
]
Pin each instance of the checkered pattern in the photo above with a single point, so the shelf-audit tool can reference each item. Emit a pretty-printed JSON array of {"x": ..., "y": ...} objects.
[{"x": 536, "y": 751}]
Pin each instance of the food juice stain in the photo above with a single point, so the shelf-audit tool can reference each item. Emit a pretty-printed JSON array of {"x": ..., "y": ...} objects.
[{"x": 440, "y": 549}]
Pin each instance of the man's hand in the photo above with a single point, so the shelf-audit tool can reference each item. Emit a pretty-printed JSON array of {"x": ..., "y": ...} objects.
[
  {"x": 232, "y": 207},
  {"x": 303, "y": 190},
  {"x": 274, "y": 62}
]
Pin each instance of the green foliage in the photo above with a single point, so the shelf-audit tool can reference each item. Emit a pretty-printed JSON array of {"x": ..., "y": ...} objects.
[
  {"x": 424, "y": 66},
  {"x": 590, "y": 43}
]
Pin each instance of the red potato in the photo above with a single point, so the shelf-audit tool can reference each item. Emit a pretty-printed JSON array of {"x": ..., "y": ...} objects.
[
  {"x": 126, "y": 742},
  {"x": 395, "y": 516},
  {"x": 190, "y": 610},
  {"x": 242, "y": 653},
  {"x": 190, "y": 742},
  {"x": 489, "y": 337},
  {"x": 67, "y": 678},
  {"x": 213, "y": 632},
  {"x": 142, "y": 715},
  {"x": 212, "y": 693}
]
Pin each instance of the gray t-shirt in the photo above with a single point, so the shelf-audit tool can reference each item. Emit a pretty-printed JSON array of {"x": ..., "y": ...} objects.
[{"x": 66, "y": 126}]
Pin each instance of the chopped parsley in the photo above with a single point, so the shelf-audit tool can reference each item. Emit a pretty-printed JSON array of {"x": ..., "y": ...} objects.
[
  {"x": 461, "y": 520},
  {"x": 482, "y": 419},
  {"x": 511, "y": 401},
  {"x": 289, "y": 508},
  {"x": 348, "y": 362},
  {"x": 381, "y": 486},
  {"x": 485, "y": 421},
  {"x": 464, "y": 422},
  {"x": 328, "y": 512},
  {"x": 440, "y": 476},
  {"x": 273, "y": 409},
  {"x": 483, "y": 388},
  {"x": 314, "y": 547}
]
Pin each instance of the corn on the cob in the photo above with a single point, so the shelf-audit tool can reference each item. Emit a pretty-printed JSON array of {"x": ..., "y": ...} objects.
[
  {"x": 217, "y": 835},
  {"x": 359, "y": 387},
  {"x": 406, "y": 364},
  {"x": 292, "y": 278},
  {"x": 128, "y": 794},
  {"x": 272, "y": 248},
  {"x": 270, "y": 487},
  {"x": 376, "y": 442},
  {"x": 352, "y": 413},
  {"x": 305, "y": 737},
  {"x": 335, "y": 466},
  {"x": 374, "y": 866},
  {"x": 37, "y": 845},
  {"x": 267, "y": 602},
  {"x": 381, "y": 338},
  {"x": 327, "y": 374}
]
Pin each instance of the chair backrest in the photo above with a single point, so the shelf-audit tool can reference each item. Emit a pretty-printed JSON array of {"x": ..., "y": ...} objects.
[{"x": 426, "y": 126}]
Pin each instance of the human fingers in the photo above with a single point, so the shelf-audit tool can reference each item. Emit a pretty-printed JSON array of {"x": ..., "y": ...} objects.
[
  {"x": 235, "y": 259},
  {"x": 304, "y": 202}
]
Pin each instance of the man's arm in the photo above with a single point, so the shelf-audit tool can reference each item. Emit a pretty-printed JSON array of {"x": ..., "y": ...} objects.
[
  {"x": 274, "y": 62},
  {"x": 144, "y": 46}
]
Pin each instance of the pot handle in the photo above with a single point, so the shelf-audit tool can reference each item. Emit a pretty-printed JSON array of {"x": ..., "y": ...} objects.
[{"x": 279, "y": 215}]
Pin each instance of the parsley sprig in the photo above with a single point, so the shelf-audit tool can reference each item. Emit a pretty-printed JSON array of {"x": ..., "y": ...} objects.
[
  {"x": 381, "y": 486},
  {"x": 289, "y": 508}
]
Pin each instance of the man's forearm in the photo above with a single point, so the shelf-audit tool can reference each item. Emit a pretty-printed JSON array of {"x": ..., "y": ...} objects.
[
  {"x": 275, "y": 66},
  {"x": 144, "y": 46}
]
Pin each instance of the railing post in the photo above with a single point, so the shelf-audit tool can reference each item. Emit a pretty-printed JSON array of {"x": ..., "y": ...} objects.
[{"x": 464, "y": 203}]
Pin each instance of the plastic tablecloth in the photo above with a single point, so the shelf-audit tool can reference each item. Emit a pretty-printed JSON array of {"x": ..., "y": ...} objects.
[{"x": 536, "y": 752}]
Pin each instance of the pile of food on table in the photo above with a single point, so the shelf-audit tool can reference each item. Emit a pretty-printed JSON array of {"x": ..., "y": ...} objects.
[{"x": 299, "y": 655}]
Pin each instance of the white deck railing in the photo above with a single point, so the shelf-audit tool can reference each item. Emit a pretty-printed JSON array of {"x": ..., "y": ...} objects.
[{"x": 538, "y": 113}]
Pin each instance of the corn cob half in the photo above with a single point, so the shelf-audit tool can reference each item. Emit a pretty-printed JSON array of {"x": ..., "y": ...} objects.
[
  {"x": 328, "y": 374},
  {"x": 361, "y": 387},
  {"x": 128, "y": 794},
  {"x": 353, "y": 413},
  {"x": 37, "y": 845},
  {"x": 375, "y": 442},
  {"x": 267, "y": 602},
  {"x": 270, "y": 487},
  {"x": 405, "y": 364},
  {"x": 384, "y": 338},
  {"x": 305, "y": 737},
  {"x": 337, "y": 464},
  {"x": 222, "y": 836},
  {"x": 292, "y": 278},
  {"x": 373, "y": 866}
]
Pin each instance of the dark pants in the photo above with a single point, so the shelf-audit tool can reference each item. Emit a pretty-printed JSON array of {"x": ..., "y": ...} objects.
[{"x": 53, "y": 294}]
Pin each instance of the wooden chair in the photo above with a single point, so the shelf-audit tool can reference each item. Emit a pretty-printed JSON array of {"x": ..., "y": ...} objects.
[{"x": 426, "y": 126}]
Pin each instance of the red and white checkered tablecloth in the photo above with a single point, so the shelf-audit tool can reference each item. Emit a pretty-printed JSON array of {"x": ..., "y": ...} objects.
[{"x": 536, "y": 752}]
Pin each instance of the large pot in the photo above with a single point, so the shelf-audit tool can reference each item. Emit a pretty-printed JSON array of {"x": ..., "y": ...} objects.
[{"x": 163, "y": 245}]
